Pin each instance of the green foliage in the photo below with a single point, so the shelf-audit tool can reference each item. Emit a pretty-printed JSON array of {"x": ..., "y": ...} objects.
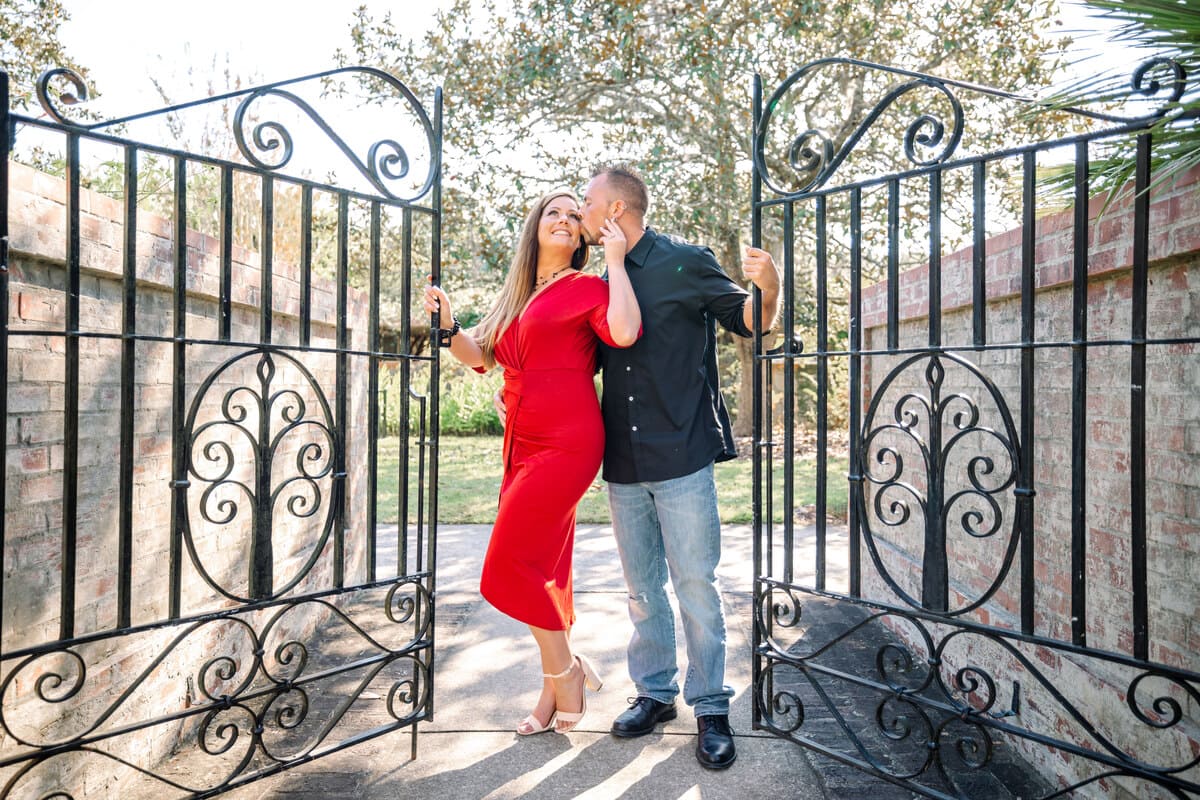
[
  {"x": 29, "y": 45},
  {"x": 589, "y": 80},
  {"x": 466, "y": 401},
  {"x": 537, "y": 93},
  {"x": 469, "y": 473},
  {"x": 465, "y": 404},
  {"x": 1160, "y": 29}
]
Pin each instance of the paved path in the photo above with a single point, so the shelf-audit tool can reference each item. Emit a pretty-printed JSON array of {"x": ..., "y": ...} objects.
[{"x": 487, "y": 678}]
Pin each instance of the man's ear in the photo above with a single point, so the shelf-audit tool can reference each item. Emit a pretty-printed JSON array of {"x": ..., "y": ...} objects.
[{"x": 618, "y": 209}]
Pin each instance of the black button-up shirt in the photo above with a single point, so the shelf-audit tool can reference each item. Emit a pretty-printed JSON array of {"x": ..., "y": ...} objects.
[{"x": 663, "y": 412}]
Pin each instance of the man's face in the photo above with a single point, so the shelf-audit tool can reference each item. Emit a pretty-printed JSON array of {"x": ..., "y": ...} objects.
[{"x": 597, "y": 206}]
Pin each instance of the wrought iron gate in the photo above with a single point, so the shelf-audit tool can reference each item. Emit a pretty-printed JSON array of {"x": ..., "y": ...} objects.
[
  {"x": 199, "y": 589},
  {"x": 1014, "y": 571}
]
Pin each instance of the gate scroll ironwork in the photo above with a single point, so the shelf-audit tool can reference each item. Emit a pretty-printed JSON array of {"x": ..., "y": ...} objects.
[
  {"x": 940, "y": 631},
  {"x": 217, "y": 598}
]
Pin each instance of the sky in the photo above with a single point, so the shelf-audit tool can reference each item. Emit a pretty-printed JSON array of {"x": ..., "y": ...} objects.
[
  {"x": 124, "y": 43},
  {"x": 127, "y": 44}
]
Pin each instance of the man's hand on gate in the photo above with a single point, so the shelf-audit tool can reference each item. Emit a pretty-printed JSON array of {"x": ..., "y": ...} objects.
[{"x": 759, "y": 267}]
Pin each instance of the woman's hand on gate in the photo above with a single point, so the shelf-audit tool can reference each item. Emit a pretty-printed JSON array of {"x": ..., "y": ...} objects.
[{"x": 436, "y": 302}]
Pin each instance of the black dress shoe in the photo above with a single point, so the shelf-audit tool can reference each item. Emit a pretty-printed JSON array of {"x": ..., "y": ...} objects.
[
  {"x": 714, "y": 746},
  {"x": 641, "y": 717}
]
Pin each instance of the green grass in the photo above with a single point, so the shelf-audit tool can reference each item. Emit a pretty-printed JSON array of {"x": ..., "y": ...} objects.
[{"x": 469, "y": 484}]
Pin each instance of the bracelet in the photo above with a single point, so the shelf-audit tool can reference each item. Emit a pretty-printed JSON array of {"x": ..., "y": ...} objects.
[{"x": 446, "y": 334}]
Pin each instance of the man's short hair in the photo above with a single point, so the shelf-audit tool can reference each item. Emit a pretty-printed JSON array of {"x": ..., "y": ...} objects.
[{"x": 626, "y": 182}]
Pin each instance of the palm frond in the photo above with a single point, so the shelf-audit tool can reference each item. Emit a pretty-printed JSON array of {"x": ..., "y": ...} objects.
[{"x": 1159, "y": 93}]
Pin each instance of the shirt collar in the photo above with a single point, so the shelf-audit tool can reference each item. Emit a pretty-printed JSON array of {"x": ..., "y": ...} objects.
[{"x": 641, "y": 250}]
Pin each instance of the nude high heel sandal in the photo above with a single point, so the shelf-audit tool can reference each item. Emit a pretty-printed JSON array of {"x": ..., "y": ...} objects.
[
  {"x": 591, "y": 677},
  {"x": 591, "y": 680},
  {"x": 529, "y": 726}
]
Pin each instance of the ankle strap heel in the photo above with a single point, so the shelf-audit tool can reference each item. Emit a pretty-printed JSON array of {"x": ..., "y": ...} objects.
[{"x": 562, "y": 674}]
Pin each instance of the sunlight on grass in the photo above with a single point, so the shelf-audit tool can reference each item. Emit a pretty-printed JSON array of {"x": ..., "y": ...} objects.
[{"x": 469, "y": 484}]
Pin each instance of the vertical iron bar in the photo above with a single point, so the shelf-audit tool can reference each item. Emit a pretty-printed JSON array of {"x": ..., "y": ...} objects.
[
  {"x": 405, "y": 396},
  {"x": 341, "y": 407},
  {"x": 769, "y": 462},
  {"x": 1079, "y": 402},
  {"x": 979, "y": 256},
  {"x": 262, "y": 555},
  {"x": 422, "y": 451},
  {"x": 757, "y": 399},
  {"x": 266, "y": 258},
  {"x": 419, "y": 552},
  {"x": 1025, "y": 491},
  {"x": 1137, "y": 401},
  {"x": 935, "y": 567},
  {"x": 6, "y": 144},
  {"x": 822, "y": 383},
  {"x": 179, "y": 446},
  {"x": 306, "y": 251},
  {"x": 893, "y": 263},
  {"x": 789, "y": 391},
  {"x": 855, "y": 477},
  {"x": 226, "y": 211},
  {"x": 373, "y": 390},
  {"x": 262, "y": 548},
  {"x": 935, "y": 259},
  {"x": 71, "y": 413},
  {"x": 435, "y": 258},
  {"x": 128, "y": 385}
]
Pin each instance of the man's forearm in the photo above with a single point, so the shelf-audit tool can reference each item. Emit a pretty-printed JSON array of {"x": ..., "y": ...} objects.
[{"x": 770, "y": 311}]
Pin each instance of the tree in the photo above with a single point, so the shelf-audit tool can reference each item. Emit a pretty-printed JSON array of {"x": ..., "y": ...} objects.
[
  {"x": 204, "y": 124},
  {"x": 1162, "y": 29},
  {"x": 536, "y": 93},
  {"x": 29, "y": 44}
]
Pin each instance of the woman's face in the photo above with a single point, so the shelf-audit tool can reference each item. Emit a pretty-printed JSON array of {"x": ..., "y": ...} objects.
[{"x": 559, "y": 227}]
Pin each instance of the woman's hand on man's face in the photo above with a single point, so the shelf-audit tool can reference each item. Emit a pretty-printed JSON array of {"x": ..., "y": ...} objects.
[{"x": 613, "y": 239}]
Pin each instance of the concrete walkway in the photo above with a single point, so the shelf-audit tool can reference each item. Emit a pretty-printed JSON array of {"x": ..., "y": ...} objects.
[{"x": 487, "y": 678}]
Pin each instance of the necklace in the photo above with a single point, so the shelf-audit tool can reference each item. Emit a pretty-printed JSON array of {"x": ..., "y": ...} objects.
[{"x": 543, "y": 281}]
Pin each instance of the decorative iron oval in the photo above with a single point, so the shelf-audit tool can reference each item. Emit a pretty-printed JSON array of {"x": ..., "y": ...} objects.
[
  {"x": 896, "y": 500},
  {"x": 313, "y": 469}
]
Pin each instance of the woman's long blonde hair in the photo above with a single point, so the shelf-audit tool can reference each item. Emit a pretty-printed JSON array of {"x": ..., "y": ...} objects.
[{"x": 520, "y": 282}]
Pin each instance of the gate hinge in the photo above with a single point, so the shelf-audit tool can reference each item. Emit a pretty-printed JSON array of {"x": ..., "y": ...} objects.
[{"x": 3, "y": 254}]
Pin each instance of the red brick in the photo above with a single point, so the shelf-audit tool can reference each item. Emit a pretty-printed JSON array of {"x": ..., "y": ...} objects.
[
  {"x": 40, "y": 307},
  {"x": 35, "y": 459},
  {"x": 41, "y": 489}
]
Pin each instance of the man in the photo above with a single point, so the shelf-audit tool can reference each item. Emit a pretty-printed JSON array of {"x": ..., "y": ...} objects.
[{"x": 665, "y": 425}]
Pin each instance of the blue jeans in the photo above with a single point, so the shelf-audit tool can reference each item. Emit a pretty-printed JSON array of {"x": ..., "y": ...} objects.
[{"x": 672, "y": 526}]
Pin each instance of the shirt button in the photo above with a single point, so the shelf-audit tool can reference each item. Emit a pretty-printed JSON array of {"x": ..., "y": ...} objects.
[
  {"x": 631, "y": 398},
  {"x": 629, "y": 369},
  {"x": 635, "y": 428}
]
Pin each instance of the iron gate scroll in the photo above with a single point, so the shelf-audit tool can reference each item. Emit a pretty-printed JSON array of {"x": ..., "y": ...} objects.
[
  {"x": 1014, "y": 575},
  {"x": 202, "y": 586}
]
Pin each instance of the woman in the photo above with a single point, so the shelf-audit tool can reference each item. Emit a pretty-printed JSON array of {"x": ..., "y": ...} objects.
[{"x": 543, "y": 330}]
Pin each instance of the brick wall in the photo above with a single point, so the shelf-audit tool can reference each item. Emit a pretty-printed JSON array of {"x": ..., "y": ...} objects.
[
  {"x": 33, "y": 546},
  {"x": 1099, "y": 688}
]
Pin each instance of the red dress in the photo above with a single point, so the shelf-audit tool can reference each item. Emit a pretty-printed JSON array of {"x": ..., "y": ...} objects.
[{"x": 553, "y": 445}]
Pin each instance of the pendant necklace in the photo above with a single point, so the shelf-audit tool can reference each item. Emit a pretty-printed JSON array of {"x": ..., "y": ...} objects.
[{"x": 543, "y": 281}]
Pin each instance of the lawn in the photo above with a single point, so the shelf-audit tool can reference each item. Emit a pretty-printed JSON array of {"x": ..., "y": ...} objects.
[{"x": 469, "y": 482}]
